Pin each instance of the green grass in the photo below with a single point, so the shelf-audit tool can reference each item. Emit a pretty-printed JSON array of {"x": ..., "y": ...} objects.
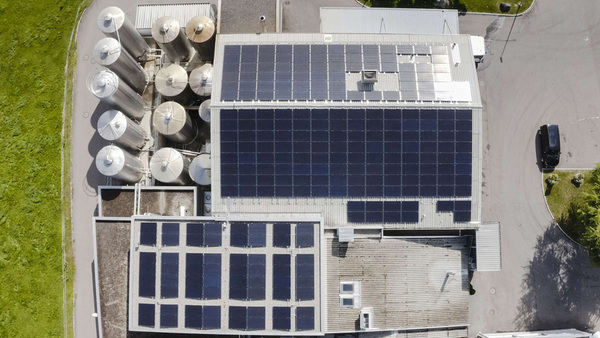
[
  {"x": 34, "y": 41},
  {"x": 481, "y": 6},
  {"x": 563, "y": 195}
]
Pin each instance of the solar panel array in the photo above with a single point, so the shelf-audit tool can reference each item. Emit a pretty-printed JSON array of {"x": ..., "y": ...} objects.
[
  {"x": 383, "y": 212},
  {"x": 346, "y": 153},
  {"x": 251, "y": 263},
  {"x": 319, "y": 72},
  {"x": 461, "y": 210}
]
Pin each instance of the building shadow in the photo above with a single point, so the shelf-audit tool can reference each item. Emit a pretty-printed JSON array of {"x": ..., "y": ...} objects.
[{"x": 561, "y": 288}]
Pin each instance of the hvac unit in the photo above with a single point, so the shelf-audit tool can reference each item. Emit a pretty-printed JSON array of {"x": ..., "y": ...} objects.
[{"x": 366, "y": 318}]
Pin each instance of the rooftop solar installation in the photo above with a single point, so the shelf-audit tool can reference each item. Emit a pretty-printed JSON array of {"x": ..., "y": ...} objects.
[
  {"x": 202, "y": 317},
  {"x": 247, "y": 276},
  {"x": 204, "y": 234},
  {"x": 383, "y": 212},
  {"x": 148, "y": 234},
  {"x": 305, "y": 318},
  {"x": 168, "y": 315},
  {"x": 248, "y": 234},
  {"x": 281, "y": 318},
  {"x": 169, "y": 275},
  {"x": 320, "y": 72},
  {"x": 346, "y": 153},
  {"x": 281, "y": 235},
  {"x": 461, "y": 210},
  {"x": 281, "y": 277},
  {"x": 170, "y": 234},
  {"x": 305, "y": 277},
  {"x": 147, "y": 278},
  {"x": 146, "y": 315}
]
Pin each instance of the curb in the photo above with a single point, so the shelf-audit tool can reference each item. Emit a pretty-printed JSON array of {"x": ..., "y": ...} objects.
[{"x": 478, "y": 13}]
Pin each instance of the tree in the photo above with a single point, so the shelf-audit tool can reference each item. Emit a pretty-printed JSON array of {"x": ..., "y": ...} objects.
[{"x": 588, "y": 217}]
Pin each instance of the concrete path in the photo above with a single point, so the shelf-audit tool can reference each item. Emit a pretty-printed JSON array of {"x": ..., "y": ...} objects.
[{"x": 548, "y": 74}]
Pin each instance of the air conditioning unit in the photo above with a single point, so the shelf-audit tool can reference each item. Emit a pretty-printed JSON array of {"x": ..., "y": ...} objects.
[{"x": 366, "y": 318}]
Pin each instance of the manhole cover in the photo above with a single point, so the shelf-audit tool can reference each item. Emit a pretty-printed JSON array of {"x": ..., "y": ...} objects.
[{"x": 493, "y": 291}]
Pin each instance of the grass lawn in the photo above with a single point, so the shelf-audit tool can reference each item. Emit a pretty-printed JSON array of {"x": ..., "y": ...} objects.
[
  {"x": 484, "y": 6},
  {"x": 563, "y": 194},
  {"x": 34, "y": 41}
]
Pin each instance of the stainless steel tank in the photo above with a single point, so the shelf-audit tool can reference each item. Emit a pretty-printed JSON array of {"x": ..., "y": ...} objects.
[
  {"x": 204, "y": 111},
  {"x": 108, "y": 53},
  {"x": 115, "y": 127},
  {"x": 201, "y": 79},
  {"x": 168, "y": 165},
  {"x": 201, "y": 31},
  {"x": 200, "y": 169},
  {"x": 169, "y": 36},
  {"x": 113, "y": 23},
  {"x": 115, "y": 162},
  {"x": 106, "y": 86},
  {"x": 171, "y": 120},
  {"x": 172, "y": 83}
]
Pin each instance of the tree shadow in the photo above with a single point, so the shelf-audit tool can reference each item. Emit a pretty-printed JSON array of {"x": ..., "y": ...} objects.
[{"x": 561, "y": 287}]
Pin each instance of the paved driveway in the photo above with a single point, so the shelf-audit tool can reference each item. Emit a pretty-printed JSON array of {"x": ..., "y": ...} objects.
[{"x": 548, "y": 74}]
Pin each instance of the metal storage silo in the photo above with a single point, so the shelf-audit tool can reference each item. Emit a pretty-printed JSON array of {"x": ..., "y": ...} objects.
[
  {"x": 106, "y": 86},
  {"x": 200, "y": 169},
  {"x": 115, "y": 127},
  {"x": 169, "y": 36},
  {"x": 201, "y": 31},
  {"x": 115, "y": 162},
  {"x": 204, "y": 111},
  {"x": 172, "y": 83},
  {"x": 113, "y": 23},
  {"x": 170, "y": 166},
  {"x": 201, "y": 80},
  {"x": 108, "y": 53},
  {"x": 171, "y": 119}
]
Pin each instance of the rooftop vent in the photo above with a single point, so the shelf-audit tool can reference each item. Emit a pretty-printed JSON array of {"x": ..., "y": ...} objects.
[
  {"x": 369, "y": 76},
  {"x": 346, "y": 235},
  {"x": 366, "y": 318}
]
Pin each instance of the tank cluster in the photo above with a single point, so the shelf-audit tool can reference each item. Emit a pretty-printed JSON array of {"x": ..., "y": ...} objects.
[{"x": 159, "y": 89}]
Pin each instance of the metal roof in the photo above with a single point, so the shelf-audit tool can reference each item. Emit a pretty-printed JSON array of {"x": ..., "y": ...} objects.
[
  {"x": 488, "y": 247},
  {"x": 147, "y": 14},
  {"x": 389, "y": 20}
]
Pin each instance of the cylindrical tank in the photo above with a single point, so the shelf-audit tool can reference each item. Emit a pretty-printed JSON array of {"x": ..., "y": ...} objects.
[
  {"x": 201, "y": 80},
  {"x": 170, "y": 166},
  {"x": 169, "y": 36},
  {"x": 115, "y": 162},
  {"x": 108, "y": 53},
  {"x": 113, "y": 23},
  {"x": 201, "y": 31},
  {"x": 171, "y": 119},
  {"x": 172, "y": 83},
  {"x": 200, "y": 169},
  {"x": 204, "y": 111},
  {"x": 115, "y": 127},
  {"x": 106, "y": 86}
]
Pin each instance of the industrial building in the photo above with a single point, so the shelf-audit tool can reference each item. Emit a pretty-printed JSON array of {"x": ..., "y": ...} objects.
[{"x": 288, "y": 184}]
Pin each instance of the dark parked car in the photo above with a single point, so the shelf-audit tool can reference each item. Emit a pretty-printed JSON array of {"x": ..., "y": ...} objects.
[{"x": 550, "y": 139}]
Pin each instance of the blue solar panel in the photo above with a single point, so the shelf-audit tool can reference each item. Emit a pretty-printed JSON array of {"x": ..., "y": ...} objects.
[
  {"x": 305, "y": 270},
  {"x": 238, "y": 280},
  {"x": 193, "y": 316},
  {"x": 237, "y": 318},
  {"x": 256, "y": 318},
  {"x": 281, "y": 235},
  {"x": 170, "y": 234},
  {"x": 281, "y": 318},
  {"x": 239, "y": 234},
  {"x": 168, "y": 316},
  {"x": 257, "y": 234},
  {"x": 146, "y": 315},
  {"x": 305, "y": 235},
  {"x": 211, "y": 317},
  {"x": 212, "y": 234},
  {"x": 169, "y": 275},
  {"x": 212, "y": 276},
  {"x": 305, "y": 318},
  {"x": 281, "y": 277},
  {"x": 256, "y": 276},
  {"x": 193, "y": 275},
  {"x": 392, "y": 153},
  {"x": 195, "y": 234},
  {"x": 383, "y": 212},
  {"x": 147, "y": 282},
  {"x": 148, "y": 234}
]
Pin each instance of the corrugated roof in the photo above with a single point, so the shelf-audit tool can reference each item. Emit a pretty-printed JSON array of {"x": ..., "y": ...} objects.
[
  {"x": 146, "y": 15},
  {"x": 488, "y": 247},
  {"x": 387, "y": 20}
]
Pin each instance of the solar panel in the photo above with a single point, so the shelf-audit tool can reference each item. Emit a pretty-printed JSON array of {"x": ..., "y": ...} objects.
[
  {"x": 211, "y": 317},
  {"x": 257, "y": 234},
  {"x": 305, "y": 318},
  {"x": 281, "y": 235},
  {"x": 256, "y": 318},
  {"x": 281, "y": 318},
  {"x": 304, "y": 235},
  {"x": 239, "y": 234},
  {"x": 383, "y": 212},
  {"x": 193, "y": 316},
  {"x": 195, "y": 234},
  {"x": 170, "y": 234},
  {"x": 169, "y": 275},
  {"x": 237, "y": 318},
  {"x": 256, "y": 276},
  {"x": 193, "y": 275},
  {"x": 147, "y": 281},
  {"x": 281, "y": 277},
  {"x": 305, "y": 277},
  {"x": 238, "y": 280},
  {"x": 342, "y": 153},
  {"x": 168, "y": 316},
  {"x": 148, "y": 233},
  {"x": 211, "y": 276},
  {"x": 212, "y": 234},
  {"x": 146, "y": 315}
]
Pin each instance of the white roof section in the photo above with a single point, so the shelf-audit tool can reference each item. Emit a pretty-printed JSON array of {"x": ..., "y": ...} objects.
[
  {"x": 387, "y": 20},
  {"x": 565, "y": 333},
  {"x": 489, "y": 256},
  {"x": 147, "y": 14}
]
